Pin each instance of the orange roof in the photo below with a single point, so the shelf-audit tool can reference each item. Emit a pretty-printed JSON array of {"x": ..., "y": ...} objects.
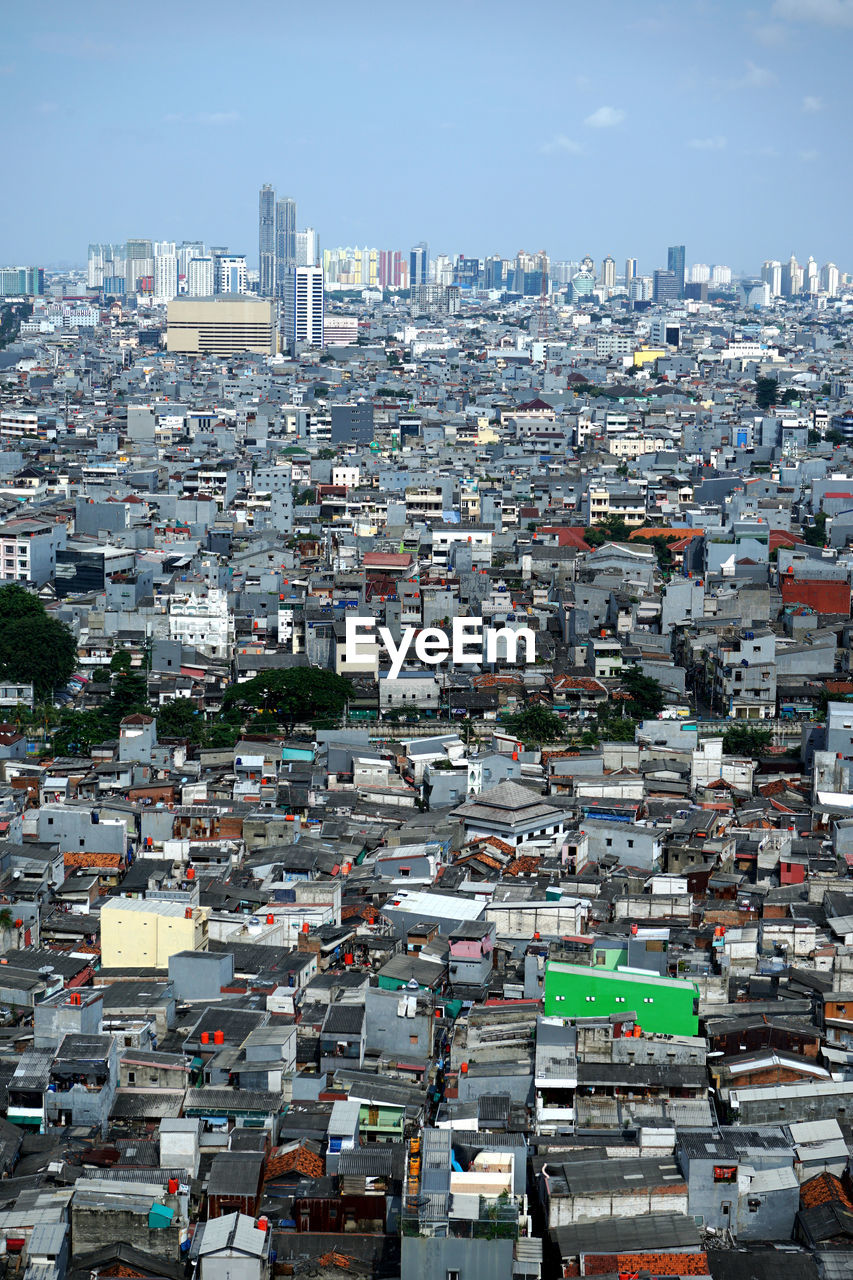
[
  {"x": 823, "y": 1190},
  {"x": 655, "y": 1264},
  {"x": 664, "y": 531}
]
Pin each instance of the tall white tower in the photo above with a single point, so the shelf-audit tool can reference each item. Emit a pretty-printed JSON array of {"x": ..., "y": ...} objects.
[{"x": 302, "y": 311}]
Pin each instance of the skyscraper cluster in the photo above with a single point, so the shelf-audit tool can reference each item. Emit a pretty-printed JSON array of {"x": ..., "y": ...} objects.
[
  {"x": 290, "y": 270},
  {"x": 161, "y": 270},
  {"x": 790, "y": 279}
]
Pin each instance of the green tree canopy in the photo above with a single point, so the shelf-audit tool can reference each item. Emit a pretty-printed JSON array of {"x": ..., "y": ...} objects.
[
  {"x": 299, "y": 694},
  {"x": 646, "y": 695},
  {"x": 535, "y": 725},
  {"x": 611, "y": 529},
  {"x": 34, "y": 648},
  {"x": 765, "y": 392},
  {"x": 746, "y": 740}
]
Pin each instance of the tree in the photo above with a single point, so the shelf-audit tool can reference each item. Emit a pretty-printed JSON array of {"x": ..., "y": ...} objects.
[
  {"x": 646, "y": 694},
  {"x": 743, "y": 740},
  {"x": 536, "y": 724},
  {"x": 34, "y": 648},
  {"x": 815, "y": 534},
  {"x": 765, "y": 392},
  {"x": 298, "y": 695},
  {"x": 16, "y": 602},
  {"x": 617, "y": 729},
  {"x": 180, "y": 718},
  {"x": 611, "y": 529},
  {"x": 121, "y": 661}
]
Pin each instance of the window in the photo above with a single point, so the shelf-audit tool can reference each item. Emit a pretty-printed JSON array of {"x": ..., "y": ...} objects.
[
  {"x": 590, "y": 999},
  {"x": 453, "y": 1275},
  {"x": 131, "y": 1077},
  {"x": 725, "y": 1173},
  {"x": 413, "y": 1039}
]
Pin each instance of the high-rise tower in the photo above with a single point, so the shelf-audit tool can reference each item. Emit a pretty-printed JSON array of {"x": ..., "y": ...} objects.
[
  {"x": 285, "y": 242},
  {"x": 266, "y": 241}
]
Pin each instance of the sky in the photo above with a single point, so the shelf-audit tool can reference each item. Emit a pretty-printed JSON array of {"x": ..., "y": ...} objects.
[{"x": 610, "y": 127}]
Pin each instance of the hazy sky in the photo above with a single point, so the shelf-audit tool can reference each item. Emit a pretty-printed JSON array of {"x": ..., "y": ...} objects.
[{"x": 613, "y": 126}]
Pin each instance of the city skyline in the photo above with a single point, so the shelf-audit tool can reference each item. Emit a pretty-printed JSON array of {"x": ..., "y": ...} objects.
[{"x": 755, "y": 102}]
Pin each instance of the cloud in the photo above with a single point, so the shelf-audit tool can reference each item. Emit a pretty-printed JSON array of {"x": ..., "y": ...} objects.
[
  {"x": 812, "y": 104},
  {"x": 561, "y": 143},
  {"x": 202, "y": 117},
  {"x": 808, "y": 157},
  {"x": 754, "y": 77},
  {"x": 605, "y": 118},
  {"x": 828, "y": 13},
  {"x": 717, "y": 143},
  {"x": 771, "y": 34}
]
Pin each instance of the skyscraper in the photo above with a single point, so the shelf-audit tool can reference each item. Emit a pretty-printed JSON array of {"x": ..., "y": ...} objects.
[
  {"x": 675, "y": 262},
  {"x": 139, "y": 261},
  {"x": 165, "y": 271},
  {"x": 630, "y": 271},
  {"x": 230, "y": 273},
  {"x": 419, "y": 264},
  {"x": 608, "y": 272},
  {"x": 829, "y": 278},
  {"x": 266, "y": 241},
  {"x": 285, "y": 242},
  {"x": 668, "y": 286},
  {"x": 200, "y": 277},
  {"x": 302, "y": 309},
  {"x": 307, "y": 248},
  {"x": 771, "y": 273}
]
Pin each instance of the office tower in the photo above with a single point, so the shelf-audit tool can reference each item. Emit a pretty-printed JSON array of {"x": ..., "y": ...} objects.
[
  {"x": 165, "y": 271},
  {"x": 307, "y": 248},
  {"x": 675, "y": 262},
  {"x": 221, "y": 326},
  {"x": 230, "y": 273},
  {"x": 630, "y": 271},
  {"x": 829, "y": 279},
  {"x": 266, "y": 241},
  {"x": 608, "y": 272},
  {"x": 641, "y": 289},
  {"x": 667, "y": 286},
  {"x": 187, "y": 251},
  {"x": 811, "y": 277},
  {"x": 285, "y": 242},
  {"x": 466, "y": 272},
  {"x": 390, "y": 268},
  {"x": 493, "y": 272},
  {"x": 99, "y": 264},
  {"x": 771, "y": 273},
  {"x": 139, "y": 262},
  {"x": 443, "y": 270},
  {"x": 419, "y": 264},
  {"x": 21, "y": 282},
  {"x": 200, "y": 277},
  {"x": 700, "y": 273},
  {"x": 792, "y": 278},
  {"x": 302, "y": 309},
  {"x": 721, "y": 275}
]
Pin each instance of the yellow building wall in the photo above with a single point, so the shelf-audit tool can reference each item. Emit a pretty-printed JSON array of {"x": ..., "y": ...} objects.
[
  {"x": 648, "y": 356},
  {"x": 146, "y": 939}
]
